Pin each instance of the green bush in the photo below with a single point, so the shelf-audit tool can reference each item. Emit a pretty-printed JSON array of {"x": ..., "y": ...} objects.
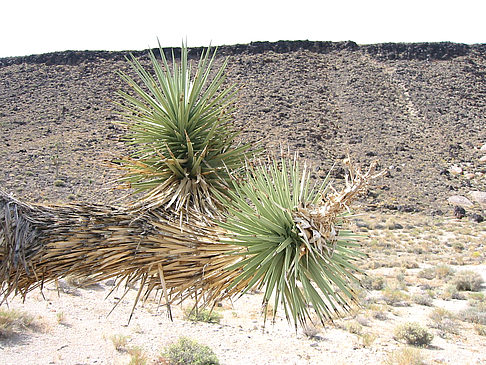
[
  {"x": 413, "y": 334},
  {"x": 188, "y": 352},
  {"x": 202, "y": 315}
]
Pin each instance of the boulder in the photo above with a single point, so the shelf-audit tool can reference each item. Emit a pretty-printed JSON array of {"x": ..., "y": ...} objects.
[
  {"x": 483, "y": 159},
  {"x": 483, "y": 148},
  {"x": 460, "y": 200},
  {"x": 479, "y": 197}
]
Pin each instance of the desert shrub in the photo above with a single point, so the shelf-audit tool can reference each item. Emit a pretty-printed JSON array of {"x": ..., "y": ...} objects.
[
  {"x": 395, "y": 297},
  {"x": 188, "y": 352},
  {"x": 468, "y": 280},
  {"x": 371, "y": 282},
  {"x": 427, "y": 273},
  {"x": 413, "y": 334},
  {"x": 405, "y": 356},
  {"x": 423, "y": 299},
  {"x": 13, "y": 321},
  {"x": 451, "y": 292},
  {"x": 202, "y": 315},
  {"x": 443, "y": 271}
]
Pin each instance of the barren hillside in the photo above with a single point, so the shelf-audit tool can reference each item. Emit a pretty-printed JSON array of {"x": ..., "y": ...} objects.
[{"x": 418, "y": 109}]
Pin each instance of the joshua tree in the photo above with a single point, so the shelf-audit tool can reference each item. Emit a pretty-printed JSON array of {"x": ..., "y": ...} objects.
[{"x": 242, "y": 223}]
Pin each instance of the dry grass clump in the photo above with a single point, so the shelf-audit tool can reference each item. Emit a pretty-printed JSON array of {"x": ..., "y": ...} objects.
[
  {"x": 13, "y": 322},
  {"x": 137, "y": 356},
  {"x": 120, "y": 342},
  {"x": 414, "y": 334},
  {"x": 405, "y": 356},
  {"x": 353, "y": 327}
]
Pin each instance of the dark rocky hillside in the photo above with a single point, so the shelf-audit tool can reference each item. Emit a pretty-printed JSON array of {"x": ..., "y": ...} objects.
[{"x": 419, "y": 109}]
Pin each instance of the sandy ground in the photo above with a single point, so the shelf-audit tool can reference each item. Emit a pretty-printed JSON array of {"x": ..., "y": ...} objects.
[{"x": 75, "y": 328}]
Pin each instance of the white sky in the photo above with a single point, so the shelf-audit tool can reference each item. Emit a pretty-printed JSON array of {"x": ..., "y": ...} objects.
[{"x": 40, "y": 26}]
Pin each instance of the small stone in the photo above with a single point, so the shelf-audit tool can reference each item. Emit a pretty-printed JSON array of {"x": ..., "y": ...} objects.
[
  {"x": 460, "y": 200},
  {"x": 455, "y": 170}
]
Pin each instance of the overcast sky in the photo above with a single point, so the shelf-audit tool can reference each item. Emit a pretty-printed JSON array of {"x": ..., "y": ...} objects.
[{"x": 40, "y": 26}]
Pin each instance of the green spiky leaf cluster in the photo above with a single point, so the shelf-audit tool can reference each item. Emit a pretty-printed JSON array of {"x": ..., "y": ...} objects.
[
  {"x": 179, "y": 123},
  {"x": 281, "y": 254}
]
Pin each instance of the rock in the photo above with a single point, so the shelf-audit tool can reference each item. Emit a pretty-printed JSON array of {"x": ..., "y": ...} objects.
[
  {"x": 470, "y": 175},
  {"x": 483, "y": 159},
  {"x": 459, "y": 212},
  {"x": 460, "y": 200},
  {"x": 479, "y": 197},
  {"x": 483, "y": 148},
  {"x": 477, "y": 218},
  {"x": 455, "y": 170}
]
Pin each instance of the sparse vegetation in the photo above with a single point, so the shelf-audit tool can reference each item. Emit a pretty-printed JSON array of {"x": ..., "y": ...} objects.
[
  {"x": 444, "y": 321},
  {"x": 13, "y": 322},
  {"x": 188, "y": 352},
  {"x": 473, "y": 314}
]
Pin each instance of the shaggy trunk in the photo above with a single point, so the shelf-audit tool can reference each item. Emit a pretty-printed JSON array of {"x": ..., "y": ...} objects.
[{"x": 40, "y": 243}]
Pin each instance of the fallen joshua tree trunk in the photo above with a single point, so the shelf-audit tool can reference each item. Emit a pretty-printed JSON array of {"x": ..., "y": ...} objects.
[
  {"x": 43, "y": 243},
  {"x": 279, "y": 234}
]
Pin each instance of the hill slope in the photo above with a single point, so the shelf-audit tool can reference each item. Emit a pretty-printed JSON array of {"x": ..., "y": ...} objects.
[{"x": 416, "y": 108}]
